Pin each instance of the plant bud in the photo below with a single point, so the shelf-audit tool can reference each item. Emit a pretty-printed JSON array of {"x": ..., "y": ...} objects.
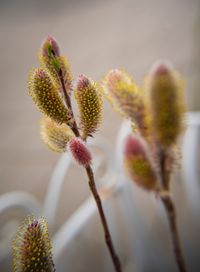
[
  {"x": 46, "y": 96},
  {"x": 55, "y": 136},
  {"x": 50, "y": 47},
  {"x": 165, "y": 92},
  {"x": 89, "y": 103},
  {"x": 138, "y": 163},
  {"x": 79, "y": 151},
  {"x": 57, "y": 66},
  {"x": 126, "y": 98},
  {"x": 32, "y": 247}
]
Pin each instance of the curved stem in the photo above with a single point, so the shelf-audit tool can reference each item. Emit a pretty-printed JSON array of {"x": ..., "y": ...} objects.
[{"x": 92, "y": 185}]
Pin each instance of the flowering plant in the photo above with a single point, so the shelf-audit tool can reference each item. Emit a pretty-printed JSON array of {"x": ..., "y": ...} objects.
[{"x": 156, "y": 112}]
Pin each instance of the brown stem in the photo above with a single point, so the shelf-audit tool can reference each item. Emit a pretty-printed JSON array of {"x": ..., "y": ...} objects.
[
  {"x": 92, "y": 185},
  {"x": 165, "y": 175},
  {"x": 108, "y": 238},
  {"x": 74, "y": 126},
  {"x": 171, "y": 214}
]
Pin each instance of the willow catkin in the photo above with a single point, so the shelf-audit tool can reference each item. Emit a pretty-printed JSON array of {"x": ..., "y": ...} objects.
[
  {"x": 55, "y": 136},
  {"x": 89, "y": 102},
  {"x": 120, "y": 89},
  {"x": 138, "y": 164},
  {"x": 45, "y": 95},
  {"x": 79, "y": 151},
  {"x": 164, "y": 89},
  {"x": 32, "y": 250}
]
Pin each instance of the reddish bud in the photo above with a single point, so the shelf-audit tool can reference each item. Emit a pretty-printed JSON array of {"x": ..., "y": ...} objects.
[
  {"x": 138, "y": 163},
  {"x": 82, "y": 82},
  {"x": 79, "y": 151},
  {"x": 161, "y": 68},
  {"x": 50, "y": 47},
  {"x": 133, "y": 146}
]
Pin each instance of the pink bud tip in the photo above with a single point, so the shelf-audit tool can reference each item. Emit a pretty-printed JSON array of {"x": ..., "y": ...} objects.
[
  {"x": 114, "y": 76},
  {"x": 133, "y": 146},
  {"x": 82, "y": 82},
  {"x": 161, "y": 68},
  {"x": 79, "y": 151},
  {"x": 138, "y": 163},
  {"x": 40, "y": 74},
  {"x": 52, "y": 43}
]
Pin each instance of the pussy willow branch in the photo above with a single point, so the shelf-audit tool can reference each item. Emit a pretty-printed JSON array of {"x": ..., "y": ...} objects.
[
  {"x": 92, "y": 185},
  {"x": 171, "y": 215}
]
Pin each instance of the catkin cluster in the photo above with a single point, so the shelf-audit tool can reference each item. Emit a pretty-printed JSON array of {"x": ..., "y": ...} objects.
[
  {"x": 156, "y": 110},
  {"x": 50, "y": 87}
]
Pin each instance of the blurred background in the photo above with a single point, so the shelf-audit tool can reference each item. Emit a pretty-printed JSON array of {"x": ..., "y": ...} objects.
[{"x": 96, "y": 36}]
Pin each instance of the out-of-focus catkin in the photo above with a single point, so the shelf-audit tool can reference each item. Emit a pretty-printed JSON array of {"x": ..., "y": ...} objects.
[
  {"x": 89, "y": 102},
  {"x": 32, "y": 247},
  {"x": 164, "y": 90},
  {"x": 126, "y": 98},
  {"x": 45, "y": 95},
  {"x": 138, "y": 163},
  {"x": 55, "y": 136}
]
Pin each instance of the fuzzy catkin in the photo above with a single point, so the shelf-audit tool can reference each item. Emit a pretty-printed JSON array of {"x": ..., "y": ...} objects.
[
  {"x": 120, "y": 89},
  {"x": 45, "y": 95},
  {"x": 80, "y": 152},
  {"x": 164, "y": 89},
  {"x": 32, "y": 247},
  {"x": 138, "y": 164},
  {"x": 53, "y": 66},
  {"x": 57, "y": 66},
  {"x": 89, "y": 103},
  {"x": 55, "y": 136}
]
